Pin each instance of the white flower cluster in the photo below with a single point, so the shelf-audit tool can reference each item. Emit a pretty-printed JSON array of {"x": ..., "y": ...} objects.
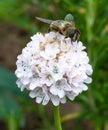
[{"x": 53, "y": 68}]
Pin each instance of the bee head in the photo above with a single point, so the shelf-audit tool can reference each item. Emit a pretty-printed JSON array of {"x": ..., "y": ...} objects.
[{"x": 74, "y": 34}]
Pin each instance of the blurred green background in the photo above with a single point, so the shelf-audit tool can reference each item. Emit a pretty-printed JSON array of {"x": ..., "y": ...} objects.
[{"x": 89, "y": 111}]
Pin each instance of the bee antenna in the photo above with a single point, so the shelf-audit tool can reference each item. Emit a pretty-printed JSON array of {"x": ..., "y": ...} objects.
[{"x": 44, "y": 20}]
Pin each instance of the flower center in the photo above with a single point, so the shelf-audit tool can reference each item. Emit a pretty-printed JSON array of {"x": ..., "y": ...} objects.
[
  {"x": 55, "y": 70},
  {"x": 48, "y": 77}
]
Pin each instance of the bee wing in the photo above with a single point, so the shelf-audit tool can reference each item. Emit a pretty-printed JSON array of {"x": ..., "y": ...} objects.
[
  {"x": 69, "y": 18},
  {"x": 44, "y": 20}
]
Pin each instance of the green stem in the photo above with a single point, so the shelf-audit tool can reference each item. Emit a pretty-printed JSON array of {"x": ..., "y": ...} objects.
[{"x": 57, "y": 118}]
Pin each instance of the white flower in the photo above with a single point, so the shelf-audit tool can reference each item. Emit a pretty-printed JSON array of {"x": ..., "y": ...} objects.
[
  {"x": 53, "y": 68},
  {"x": 78, "y": 46},
  {"x": 65, "y": 46},
  {"x": 38, "y": 38},
  {"x": 35, "y": 82},
  {"x": 46, "y": 78},
  {"x": 50, "y": 51},
  {"x": 40, "y": 95},
  {"x": 56, "y": 100},
  {"x": 60, "y": 87}
]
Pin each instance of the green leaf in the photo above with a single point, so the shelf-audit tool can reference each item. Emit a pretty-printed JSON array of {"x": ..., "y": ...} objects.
[
  {"x": 8, "y": 83},
  {"x": 9, "y": 94}
]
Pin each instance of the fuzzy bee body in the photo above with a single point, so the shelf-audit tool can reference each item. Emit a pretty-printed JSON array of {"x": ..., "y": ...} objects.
[{"x": 65, "y": 27}]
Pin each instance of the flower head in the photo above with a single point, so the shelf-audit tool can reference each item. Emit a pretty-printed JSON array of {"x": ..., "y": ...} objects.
[{"x": 53, "y": 68}]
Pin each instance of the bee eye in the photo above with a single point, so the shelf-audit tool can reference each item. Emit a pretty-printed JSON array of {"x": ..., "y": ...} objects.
[{"x": 71, "y": 33}]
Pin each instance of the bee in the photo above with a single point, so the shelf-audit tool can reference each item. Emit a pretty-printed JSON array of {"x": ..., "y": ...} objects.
[{"x": 65, "y": 27}]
